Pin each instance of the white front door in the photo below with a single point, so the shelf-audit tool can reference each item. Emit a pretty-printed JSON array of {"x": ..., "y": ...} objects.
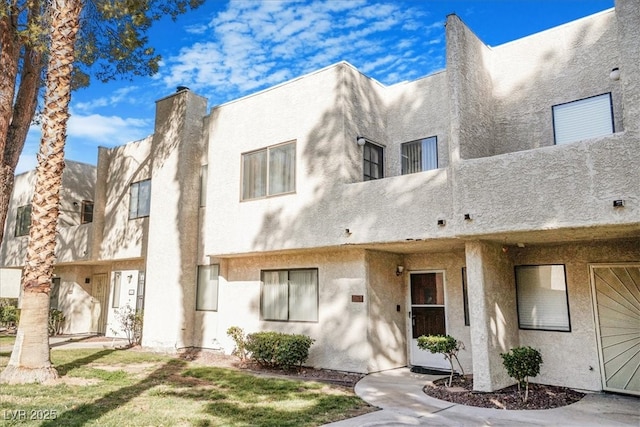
[
  {"x": 427, "y": 316},
  {"x": 616, "y": 299}
]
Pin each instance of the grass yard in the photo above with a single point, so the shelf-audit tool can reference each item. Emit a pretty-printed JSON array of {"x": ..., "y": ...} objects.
[
  {"x": 7, "y": 339},
  {"x": 133, "y": 388}
]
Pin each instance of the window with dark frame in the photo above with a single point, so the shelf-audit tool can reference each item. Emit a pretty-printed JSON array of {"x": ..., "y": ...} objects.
[
  {"x": 207, "y": 287},
  {"x": 465, "y": 297},
  {"x": 86, "y": 213},
  {"x": 542, "y": 297},
  {"x": 420, "y": 155},
  {"x": 54, "y": 293},
  {"x": 23, "y": 220},
  {"x": 268, "y": 172},
  {"x": 373, "y": 161},
  {"x": 289, "y": 295},
  {"x": 140, "y": 199}
]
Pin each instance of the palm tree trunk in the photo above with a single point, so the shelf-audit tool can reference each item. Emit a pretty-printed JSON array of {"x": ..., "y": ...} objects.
[{"x": 30, "y": 359}]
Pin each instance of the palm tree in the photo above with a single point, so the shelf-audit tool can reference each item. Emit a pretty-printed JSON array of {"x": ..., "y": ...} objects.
[{"x": 30, "y": 360}]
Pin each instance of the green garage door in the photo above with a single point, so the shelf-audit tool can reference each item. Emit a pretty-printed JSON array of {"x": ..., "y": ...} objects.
[{"x": 616, "y": 296}]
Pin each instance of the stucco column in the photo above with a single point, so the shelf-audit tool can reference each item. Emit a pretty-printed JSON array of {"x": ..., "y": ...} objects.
[
  {"x": 172, "y": 251},
  {"x": 492, "y": 312},
  {"x": 628, "y": 19}
]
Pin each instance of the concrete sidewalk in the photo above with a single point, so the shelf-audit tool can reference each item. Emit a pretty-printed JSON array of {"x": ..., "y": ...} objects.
[
  {"x": 79, "y": 341},
  {"x": 399, "y": 394}
]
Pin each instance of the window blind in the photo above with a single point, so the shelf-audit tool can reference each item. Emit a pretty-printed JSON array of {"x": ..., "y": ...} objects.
[{"x": 583, "y": 119}]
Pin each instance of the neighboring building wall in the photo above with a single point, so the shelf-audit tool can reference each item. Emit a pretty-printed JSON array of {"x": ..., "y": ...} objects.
[
  {"x": 73, "y": 239},
  {"x": 10, "y": 282}
]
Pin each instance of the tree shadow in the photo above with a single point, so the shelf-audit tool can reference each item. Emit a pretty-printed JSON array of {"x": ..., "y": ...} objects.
[
  {"x": 85, "y": 413},
  {"x": 66, "y": 367}
]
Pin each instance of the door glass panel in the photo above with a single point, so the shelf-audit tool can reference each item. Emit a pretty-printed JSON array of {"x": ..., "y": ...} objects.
[
  {"x": 427, "y": 289},
  {"x": 428, "y": 321}
]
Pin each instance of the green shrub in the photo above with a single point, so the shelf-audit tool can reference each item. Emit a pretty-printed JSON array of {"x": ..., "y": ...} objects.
[
  {"x": 237, "y": 335},
  {"x": 131, "y": 323},
  {"x": 522, "y": 363},
  {"x": 56, "y": 319},
  {"x": 446, "y": 345},
  {"x": 9, "y": 315},
  {"x": 277, "y": 349}
]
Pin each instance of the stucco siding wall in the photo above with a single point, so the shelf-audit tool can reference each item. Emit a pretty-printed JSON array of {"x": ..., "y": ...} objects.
[
  {"x": 120, "y": 237},
  {"x": 492, "y": 312},
  {"x": 171, "y": 260},
  {"x": 556, "y": 187},
  {"x": 73, "y": 240},
  {"x": 472, "y": 106},
  {"x": 74, "y": 298},
  {"x": 387, "y": 334},
  {"x": 341, "y": 331},
  {"x": 10, "y": 282},
  {"x": 571, "y": 358},
  {"x": 563, "y": 64},
  {"x": 417, "y": 110}
]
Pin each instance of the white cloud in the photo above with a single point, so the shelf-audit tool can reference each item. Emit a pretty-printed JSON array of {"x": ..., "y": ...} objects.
[
  {"x": 251, "y": 45},
  {"x": 125, "y": 94},
  {"x": 107, "y": 130}
]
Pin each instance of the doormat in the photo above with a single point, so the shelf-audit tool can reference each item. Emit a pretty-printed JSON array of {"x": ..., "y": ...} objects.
[{"x": 427, "y": 371}]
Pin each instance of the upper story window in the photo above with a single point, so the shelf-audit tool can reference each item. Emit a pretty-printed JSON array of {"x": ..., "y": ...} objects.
[
  {"x": 373, "y": 166},
  {"x": 23, "y": 220},
  {"x": 269, "y": 171},
  {"x": 140, "y": 199},
  {"x": 583, "y": 119},
  {"x": 421, "y": 155},
  {"x": 86, "y": 213},
  {"x": 541, "y": 293}
]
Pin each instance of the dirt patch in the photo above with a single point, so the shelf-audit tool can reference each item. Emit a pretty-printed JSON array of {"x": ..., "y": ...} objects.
[
  {"x": 540, "y": 396},
  {"x": 76, "y": 381},
  {"x": 133, "y": 368}
]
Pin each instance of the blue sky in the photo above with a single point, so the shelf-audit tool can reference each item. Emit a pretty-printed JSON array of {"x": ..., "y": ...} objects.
[{"x": 228, "y": 49}]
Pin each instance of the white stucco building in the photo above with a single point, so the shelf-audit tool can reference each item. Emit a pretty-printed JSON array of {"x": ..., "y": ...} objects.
[{"x": 497, "y": 201}]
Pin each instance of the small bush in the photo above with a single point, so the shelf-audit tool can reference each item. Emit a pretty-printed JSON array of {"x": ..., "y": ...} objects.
[
  {"x": 237, "y": 335},
  {"x": 131, "y": 323},
  {"x": 446, "y": 345},
  {"x": 522, "y": 363},
  {"x": 56, "y": 319},
  {"x": 9, "y": 315},
  {"x": 277, "y": 349}
]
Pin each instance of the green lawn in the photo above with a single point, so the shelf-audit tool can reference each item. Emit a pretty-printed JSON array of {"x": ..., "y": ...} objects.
[
  {"x": 7, "y": 340},
  {"x": 133, "y": 388}
]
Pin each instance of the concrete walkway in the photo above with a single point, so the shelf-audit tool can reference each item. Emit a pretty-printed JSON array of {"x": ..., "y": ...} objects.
[
  {"x": 399, "y": 394},
  {"x": 78, "y": 341}
]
